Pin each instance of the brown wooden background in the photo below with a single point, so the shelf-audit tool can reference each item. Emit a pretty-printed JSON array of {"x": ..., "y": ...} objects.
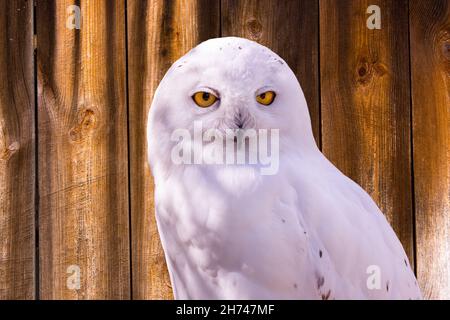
[{"x": 75, "y": 188}]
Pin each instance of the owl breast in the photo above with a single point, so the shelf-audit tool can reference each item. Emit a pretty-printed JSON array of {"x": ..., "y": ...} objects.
[{"x": 242, "y": 240}]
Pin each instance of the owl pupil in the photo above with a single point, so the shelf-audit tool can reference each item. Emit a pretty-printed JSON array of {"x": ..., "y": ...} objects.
[
  {"x": 205, "y": 96},
  {"x": 263, "y": 95}
]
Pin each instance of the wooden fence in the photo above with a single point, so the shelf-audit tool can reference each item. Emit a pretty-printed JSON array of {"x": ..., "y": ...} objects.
[{"x": 76, "y": 195}]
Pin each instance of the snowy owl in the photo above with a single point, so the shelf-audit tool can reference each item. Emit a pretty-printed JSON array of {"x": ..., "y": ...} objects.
[{"x": 299, "y": 230}]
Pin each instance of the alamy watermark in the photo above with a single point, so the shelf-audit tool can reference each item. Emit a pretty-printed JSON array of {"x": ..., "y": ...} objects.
[
  {"x": 374, "y": 20},
  {"x": 73, "y": 280},
  {"x": 259, "y": 147},
  {"x": 373, "y": 281},
  {"x": 74, "y": 19}
]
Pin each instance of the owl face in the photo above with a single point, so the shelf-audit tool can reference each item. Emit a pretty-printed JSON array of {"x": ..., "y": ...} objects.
[{"x": 230, "y": 84}]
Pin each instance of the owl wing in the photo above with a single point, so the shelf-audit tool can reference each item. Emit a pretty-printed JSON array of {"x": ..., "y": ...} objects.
[{"x": 359, "y": 254}]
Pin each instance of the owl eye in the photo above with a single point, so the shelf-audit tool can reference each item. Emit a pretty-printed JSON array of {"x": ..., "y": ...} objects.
[
  {"x": 204, "y": 99},
  {"x": 266, "y": 98}
]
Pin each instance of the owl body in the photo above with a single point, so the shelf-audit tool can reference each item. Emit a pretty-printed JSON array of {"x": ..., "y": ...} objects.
[{"x": 229, "y": 231}]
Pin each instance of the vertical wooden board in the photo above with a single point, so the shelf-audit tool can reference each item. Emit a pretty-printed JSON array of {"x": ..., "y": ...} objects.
[
  {"x": 83, "y": 157},
  {"x": 289, "y": 28},
  {"x": 17, "y": 151},
  {"x": 365, "y": 101},
  {"x": 430, "y": 66},
  {"x": 159, "y": 32}
]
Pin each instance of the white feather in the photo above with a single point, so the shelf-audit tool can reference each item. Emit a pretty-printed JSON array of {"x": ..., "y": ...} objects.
[{"x": 228, "y": 232}]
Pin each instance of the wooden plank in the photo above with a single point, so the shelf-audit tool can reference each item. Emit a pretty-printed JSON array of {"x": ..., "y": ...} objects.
[
  {"x": 83, "y": 166},
  {"x": 159, "y": 32},
  {"x": 365, "y": 101},
  {"x": 17, "y": 151},
  {"x": 430, "y": 64},
  {"x": 290, "y": 29}
]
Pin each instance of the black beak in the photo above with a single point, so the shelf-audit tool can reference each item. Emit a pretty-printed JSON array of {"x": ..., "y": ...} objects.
[{"x": 239, "y": 121}]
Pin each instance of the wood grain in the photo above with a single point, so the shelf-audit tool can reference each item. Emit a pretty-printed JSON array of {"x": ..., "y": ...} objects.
[
  {"x": 365, "y": 101},
  {"x": 159, "y": 32},
  {"x": 17, "y": 151},
  {"x": 83, "y": 166},
  {"x": 290, "y": 29},
  {"x": 356, "y": 82},
  {"x": 430, "y": 64}
]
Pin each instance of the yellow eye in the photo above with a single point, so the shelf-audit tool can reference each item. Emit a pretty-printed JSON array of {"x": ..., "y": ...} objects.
[
  {"x": 204, "y": 99},
  {"x": 266, "y": 98}
]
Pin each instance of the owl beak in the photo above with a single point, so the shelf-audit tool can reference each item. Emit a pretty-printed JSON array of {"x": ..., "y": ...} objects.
[{"x": 238, "y": 120}]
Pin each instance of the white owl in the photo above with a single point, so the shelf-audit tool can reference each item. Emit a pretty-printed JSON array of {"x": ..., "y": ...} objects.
[{"x": 304, "y": 231}]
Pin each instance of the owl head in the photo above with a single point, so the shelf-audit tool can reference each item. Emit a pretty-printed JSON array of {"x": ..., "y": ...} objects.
[{"x": 228, "y": 84}]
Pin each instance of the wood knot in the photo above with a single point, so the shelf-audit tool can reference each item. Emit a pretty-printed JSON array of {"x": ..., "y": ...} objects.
[
  {"x": 444, "y": 45},
  {"x": 254, "y": 27},
  {"x": 6, "y": 154},
  {"x": 442, "y": 49},
  {"x": 366, "y": 71},
  {"x": 446, "y": 50},
  {"x": 362, "y": 71},
  {"x": 86, "y": 123}
]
